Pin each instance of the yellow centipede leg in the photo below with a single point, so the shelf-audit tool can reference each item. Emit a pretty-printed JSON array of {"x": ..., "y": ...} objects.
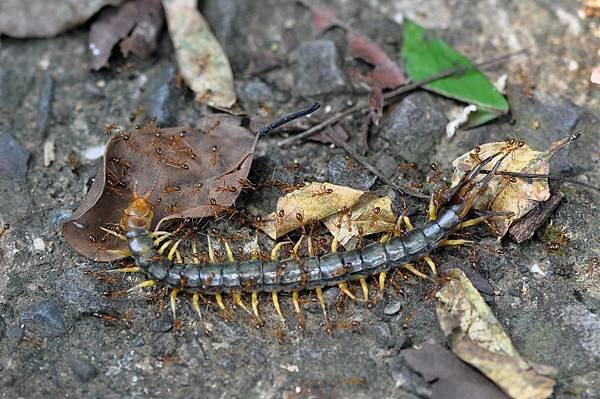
[
  {"x": 432, "y": 209},
  {"x": 237, "y": 300},
  {"x": 445, "y": 243},
  {"x": 161, "y": 239},
  {"x": 275, "y": 299},
  {"x": 229, "y": 251},
  {"x": 297, "y": 245},
  {"x": 255, "y": 304},
  {"x": 385, "y": 238},
  {"x": 164, "y": 246},
  {"x": 174, "y": 250},
  {"x": 310, "y": 246},
  {"x": 196, "y": 303},
  {"x": 431, "y": 265},
  {"x": 407, "y": 222},
  {"x": 255, "y": 248},
  {"x": 344, "y": 288},
  {"x": 211, "y": 251},
  {"x": 114, "y": 233},
  {"x": 472, "y": 222},
  {"x": 411, "y": 268},
  {"x": 299, "y": 315},
  {"x": 143, "y": 284},
  {"x": 160, "y": 233},
  {"x": 125, "y": 270},
  {"x": 195, "y": 257},
  {"x": 382, "y": 277},
  {"x": 220, "y": 302},
  {"x": 321, "y": 299},
  {"x": 174, "y": 302},
  {"x": 365, "y": 288},
  {"x": 122, "y": 253}
]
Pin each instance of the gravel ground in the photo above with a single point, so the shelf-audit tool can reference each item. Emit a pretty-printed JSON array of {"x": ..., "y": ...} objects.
[{"x": 61, "y": 336}]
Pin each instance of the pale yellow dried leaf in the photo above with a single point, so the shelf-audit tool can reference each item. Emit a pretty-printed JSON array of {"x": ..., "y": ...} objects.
[
  {"x": 504, "y": 194},
  {"x": 314, "y": 202},
  {"x": 476, "y": 336},
  {"x": 202, "y": 62},
  {"x": 372, "y": 215}
]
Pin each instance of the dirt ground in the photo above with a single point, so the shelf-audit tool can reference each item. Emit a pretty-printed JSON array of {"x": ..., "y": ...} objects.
[{"x": 61, "y": 336}]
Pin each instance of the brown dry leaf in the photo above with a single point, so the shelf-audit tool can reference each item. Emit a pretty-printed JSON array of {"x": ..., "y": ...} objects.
[
  {"x": 386, "y": 73},
  {"x": 314, "y": 202},
  {"x": 372, "y": 215},
  {"x": 137, "y": 22},
  {"x": 202, "y": 62},
  {"x": 477, "y": 337},
  {"x": 518, "y": 196},
  {"x": 25, "y": 18},
  {"x": 184, "y": 172}
]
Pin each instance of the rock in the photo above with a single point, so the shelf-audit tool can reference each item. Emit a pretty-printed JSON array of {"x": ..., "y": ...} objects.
[
  {"x": 161, "y": 103},
  {"x": 383, "y": 335},
  {"x": 13, "y": 160},
  {"x": 163, "y": 324},
  {"x": 79, "y": 291},
  {"x": 44, "y": 319},
  {"x": 413, "y": 126},
  {"x": 14, "y": 335},
  {"x": 317, "y": 69},
  {"x": 2, "y": 328},
  {"x": 406, "y": 379},
  {"x": 256, "y": 91},
  {"x": 83, "y": 369},
  {"x": 13, "y": 86},
  {"x": 165, "y": 345},
  {"x": 355, "y": 176},
  {"x": 392, "y": 308}
]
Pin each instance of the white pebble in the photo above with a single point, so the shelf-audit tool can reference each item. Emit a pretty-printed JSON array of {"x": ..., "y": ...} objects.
[{"x": 92, "y": 153}]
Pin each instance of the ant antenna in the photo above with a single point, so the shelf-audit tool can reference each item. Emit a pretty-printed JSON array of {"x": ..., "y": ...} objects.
[{"x": 287, "y": 119}]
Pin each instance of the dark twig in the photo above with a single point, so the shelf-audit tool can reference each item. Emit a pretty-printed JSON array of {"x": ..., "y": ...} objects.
[
  {"x": 528, "y": 224},
  {"x": 330, "y": 134},
  {"x": 387, "y": 97},
  {"x": 542, "y": 176},
  {"x": 287, "y": 119}
]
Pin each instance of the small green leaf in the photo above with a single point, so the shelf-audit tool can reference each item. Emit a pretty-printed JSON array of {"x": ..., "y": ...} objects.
[{"x": 425, "y": 55}]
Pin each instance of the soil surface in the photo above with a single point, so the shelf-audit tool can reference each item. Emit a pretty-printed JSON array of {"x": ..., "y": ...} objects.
[{"x": 62, "y": 336}]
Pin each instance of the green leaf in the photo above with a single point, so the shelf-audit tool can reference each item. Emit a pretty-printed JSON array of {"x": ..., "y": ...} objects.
[{"x": 425, "y": 55}]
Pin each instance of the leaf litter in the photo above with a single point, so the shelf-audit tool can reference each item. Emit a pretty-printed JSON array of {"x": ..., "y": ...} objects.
[
  {"x": 343, "y": 210},
  {"x": 136, "y": 24},
  {"x": 476, "y": 336},
  {"x": 184, "y": 172},
  {"x": 511, "y": 194},
  {"x": 202, "y": 61},
  {"x": 386, "y": 73}
]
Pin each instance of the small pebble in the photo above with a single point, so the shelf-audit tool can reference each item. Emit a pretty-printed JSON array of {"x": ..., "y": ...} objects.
[
  {"x": 44, "y": 319},
  {"x": 163, "y": 324},
  {"x": 83, "y": 369},
  {"x": 39, "y": 244},
  {"x": 92, "y": 153},
  {"x": 392, "y": 308}
]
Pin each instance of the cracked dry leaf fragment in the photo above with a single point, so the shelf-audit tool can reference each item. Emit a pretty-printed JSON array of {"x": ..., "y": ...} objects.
[
  {"x": 202, "y": 61},
  {"x": 372, "y": 215},
  {"x": 476, "y": 336},
  {"x": 518, "y": 195},
  {"x": 315, "y": 201}
]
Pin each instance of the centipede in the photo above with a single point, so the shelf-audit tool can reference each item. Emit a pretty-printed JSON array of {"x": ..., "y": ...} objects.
[{"x": 295, "y": 275}]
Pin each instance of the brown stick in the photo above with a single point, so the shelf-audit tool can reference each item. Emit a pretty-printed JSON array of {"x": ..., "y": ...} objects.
[
  {"x": 524, "y": 228},
  {"x": 389, "y": 96},
  {"x": 367, "y": 165}
]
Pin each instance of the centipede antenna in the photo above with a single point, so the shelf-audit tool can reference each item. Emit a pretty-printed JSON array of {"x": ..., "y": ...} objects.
[{"x": 287, "y": 119}]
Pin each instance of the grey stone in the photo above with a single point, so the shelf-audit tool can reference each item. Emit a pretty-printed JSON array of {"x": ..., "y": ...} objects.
[
  {"x": 13, "y": 160},
  {"x": 344, "y": 175},
  {"x": 406, "y": 379},
  {"x": 383, "y": 335},
  {"x": 413, "y": 126},
  {"x": 163, "y": 324},
  {"x": 44, "y": 318},
  {"x": 256, "y": 91},
  {"x": 79, "y": 291},
  {"x": 2, "y": 328},
  {"x": 317, "y": 69},
  {"x": 13, "y": 87},
  {"x": 14, "y": 335},
  {"x": 392, "y": 308},
  {"x": 83, "y": 368},
  {"x": 165, "y": 345},
  {"x": 161, "y": 103}
]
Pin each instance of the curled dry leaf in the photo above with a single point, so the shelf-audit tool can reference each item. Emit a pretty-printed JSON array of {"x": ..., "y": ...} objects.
[
  {"x": 314, "y": 202},
  {"x": 184, "y": 172},
  {"x": 371, "y": 215},
  {"x": 477, "y": 337},
  {"x": 505, "y": 194},
  {"x": 202, "y": 62},
  {"x": 386, "y": 73},
  {"x": 137, "y": 22},
  {"x": 19, "y": 18}
]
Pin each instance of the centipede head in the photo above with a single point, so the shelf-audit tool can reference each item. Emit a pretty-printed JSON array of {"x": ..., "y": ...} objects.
[{"x": 138, "y": 214}]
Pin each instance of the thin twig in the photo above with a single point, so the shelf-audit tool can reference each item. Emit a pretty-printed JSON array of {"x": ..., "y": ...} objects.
[
  {"x": 389, "y": 96},
  {"x": 542, "y": 176},
  {"x": 330, "y": 134}
]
